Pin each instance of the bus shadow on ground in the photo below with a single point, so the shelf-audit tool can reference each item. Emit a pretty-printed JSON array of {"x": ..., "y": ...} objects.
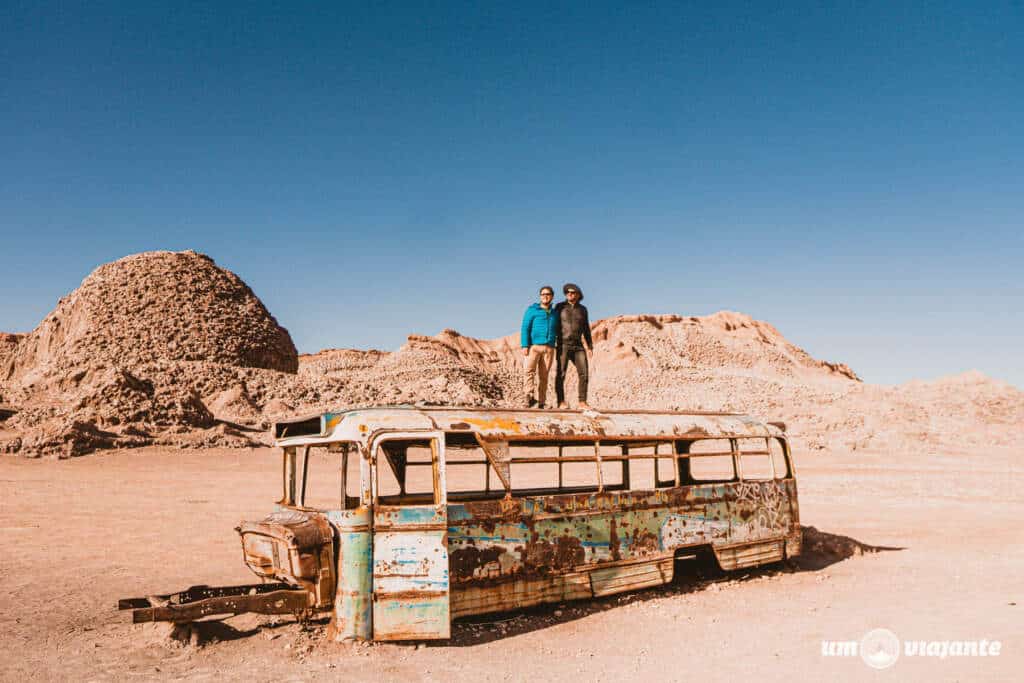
[
  {"x": 225, "y": 629},
  {"x": 820, "y": 550}
]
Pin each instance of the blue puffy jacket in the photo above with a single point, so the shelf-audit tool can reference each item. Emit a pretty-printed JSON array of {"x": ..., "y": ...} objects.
[{"x": 539, "y": 326}]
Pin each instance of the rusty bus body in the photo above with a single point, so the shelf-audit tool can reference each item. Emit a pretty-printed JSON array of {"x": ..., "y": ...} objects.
[{"x": 397, "y": 520}]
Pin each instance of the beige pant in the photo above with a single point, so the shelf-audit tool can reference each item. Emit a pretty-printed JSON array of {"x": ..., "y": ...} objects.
[{"x": 538, "y": 363}]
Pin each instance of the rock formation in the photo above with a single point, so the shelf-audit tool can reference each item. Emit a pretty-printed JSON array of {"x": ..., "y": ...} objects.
[{"x": 169, "y": 348}]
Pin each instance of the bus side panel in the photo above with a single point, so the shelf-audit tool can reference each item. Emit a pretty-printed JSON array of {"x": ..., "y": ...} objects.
[
  {"x": 518, "y": 593},
  {"x": 550, "y": 535},
  {"x": 697, "y": 515},
  {"x": 411, "y": 573},
  {"x": 632, "y": 576},
  {"x": 521, "y": 552},
  {"x": 629, "y": 527},
  {"x": 761, "y": 510},
  {"x": 757, "y": 518},
  {"x": 562, "y": 547},
  {"x": 485, "y": 543},
  {"x": 795, "y": 537},
  {"x": 353, "y": 598}
]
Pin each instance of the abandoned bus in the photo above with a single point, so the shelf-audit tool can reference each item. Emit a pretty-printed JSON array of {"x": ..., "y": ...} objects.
[{"x": 397, "y": 520}]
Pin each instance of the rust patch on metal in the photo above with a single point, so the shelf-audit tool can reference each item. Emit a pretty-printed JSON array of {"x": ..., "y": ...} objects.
[
  {"x": 410, "y": 596},
  {"x": 203, "y": 601},
  {"x": 644, "y": 542},
  {"x": 470, "y": 562},
  {"x": 496, "y": 424},
  {"x": 613, "y": 540},
  {"x": 544, "y": 557}
]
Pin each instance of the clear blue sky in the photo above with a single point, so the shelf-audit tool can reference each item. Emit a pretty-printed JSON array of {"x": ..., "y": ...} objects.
[{"x": 852, "y": 173}]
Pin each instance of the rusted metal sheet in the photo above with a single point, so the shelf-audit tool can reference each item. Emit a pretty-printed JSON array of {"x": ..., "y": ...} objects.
[
  {"x": 749, "y": 554},
  {"x": 294, "y": 546},
  {"x": 498, "y": 454},
  {"x": 611, "y": 580},
  {"x": 622, "y": 540},
  {"x": 501, "y": 425},
  {"x": 410, "y": 555},
  {"x": 471, "y": 599},
  {"x": 353, "y": 603},
  {"x": 203, "y": 601},
  {"x": 410, "y": 573}
]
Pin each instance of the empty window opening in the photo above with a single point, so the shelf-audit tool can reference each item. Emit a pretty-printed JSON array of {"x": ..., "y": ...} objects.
[
  {"x": 579, "y": 474},
  {"x": 533, "y": 476},
  {"x": 755, "y": 461},
  {"x": 419, "y": 469},
  {"x": 709, "y": 460},
  {"x": 321, "y": 482},
  {"x": 539, "y": 468},
  {"x": 469, "y": 474},
  {"x": 406, "y": 472},
  {"x": 641, "y": 473},
  {"x": 776, "y": 448},
  {"x": 666, "y": 464},
  {"x": 647, "y": 469},
  {"x": 613, "y": 466},
  {"x": 579, "y": 467}
]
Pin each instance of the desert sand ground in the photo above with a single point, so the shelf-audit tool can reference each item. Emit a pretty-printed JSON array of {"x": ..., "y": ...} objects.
[{"x": 80, "y": 534}]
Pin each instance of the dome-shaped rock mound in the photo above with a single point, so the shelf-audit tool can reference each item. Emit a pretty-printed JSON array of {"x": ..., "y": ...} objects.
[{"x": 152, "y": 307}]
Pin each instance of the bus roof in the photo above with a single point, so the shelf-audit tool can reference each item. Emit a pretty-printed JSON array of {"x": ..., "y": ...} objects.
[{"x": 503, "y": 424}]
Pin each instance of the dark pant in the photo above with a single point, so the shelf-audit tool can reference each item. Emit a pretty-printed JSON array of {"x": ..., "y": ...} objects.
[{"x": 578, "y": 357}]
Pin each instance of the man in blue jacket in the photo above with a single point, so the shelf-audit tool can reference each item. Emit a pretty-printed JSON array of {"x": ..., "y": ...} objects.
[{"x": 538, "y": 341}]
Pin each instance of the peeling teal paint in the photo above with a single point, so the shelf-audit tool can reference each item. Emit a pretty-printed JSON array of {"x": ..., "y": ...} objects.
[
  {"x": 559, "y": 533},
  {"x": 353, "y": 602}
]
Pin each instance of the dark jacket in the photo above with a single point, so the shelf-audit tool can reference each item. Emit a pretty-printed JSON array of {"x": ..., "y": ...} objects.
[
  {"x": 573, "y": 326},
  {"x": 538, "y": 327}
]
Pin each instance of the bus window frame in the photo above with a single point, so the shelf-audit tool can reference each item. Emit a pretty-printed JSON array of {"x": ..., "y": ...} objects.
[
  {"x": 655, "y": 456},
  {"x": 295, "y": 473},
  {"x": 740, "y": 454},
  {"x": 439, "y": 496},
  {"x": 787, "y": 459},
  {"x": 560, "y": 458},
  {"x": 683, "y": 453}
]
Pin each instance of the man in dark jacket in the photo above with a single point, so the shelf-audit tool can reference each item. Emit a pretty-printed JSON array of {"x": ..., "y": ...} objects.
[
  {"x": 537, "y": 338},
  {"x": 573, "y": 343}
]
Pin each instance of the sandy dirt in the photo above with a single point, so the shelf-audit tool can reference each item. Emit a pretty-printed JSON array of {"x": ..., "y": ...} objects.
[{"x": 929, "y": 547}]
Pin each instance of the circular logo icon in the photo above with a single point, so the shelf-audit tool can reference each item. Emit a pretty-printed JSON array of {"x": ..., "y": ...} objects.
[{"x": 880, "y": 648}]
